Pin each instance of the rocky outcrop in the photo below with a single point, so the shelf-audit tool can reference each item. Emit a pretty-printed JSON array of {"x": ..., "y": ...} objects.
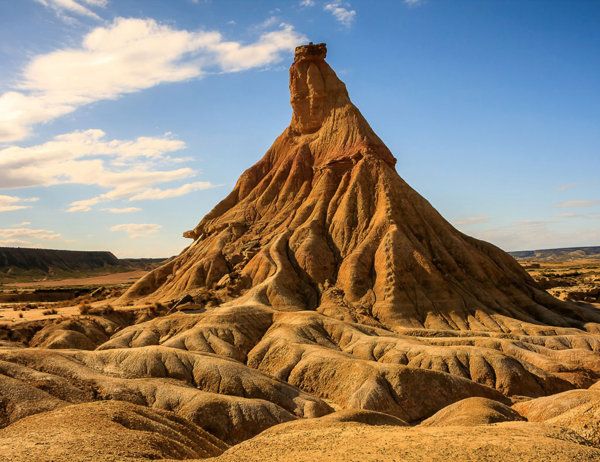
[{"x": 324, "y": 222}]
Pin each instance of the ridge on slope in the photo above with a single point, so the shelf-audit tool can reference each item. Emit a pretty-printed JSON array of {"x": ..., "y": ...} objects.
[{"x": 323, "y": 221}]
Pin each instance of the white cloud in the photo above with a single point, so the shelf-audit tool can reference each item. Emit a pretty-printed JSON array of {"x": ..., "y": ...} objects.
[
  {"x": 269, "y": 22},
  {"x": 585, "y": 216},
  {"x": 120, "y": 210},
  {"x": 66, "y": 8},
  {"x": 127, "y": 56},
  {"x": 11, "y": 203},
  {"x": 307, "y": 3},
  {"x": 137, "y": 229},
  {"x": 538, "y": 234},
  {"x": 342, "y": 12},
  {"x": 473, "y": 220},
  {"x": 414, "y": 2},
  {"x": 156, "y": 193},
  {"x": 24, "y": 235},
  {"x": 578, "y": 203},
  {"x": 126, "y": 168}
]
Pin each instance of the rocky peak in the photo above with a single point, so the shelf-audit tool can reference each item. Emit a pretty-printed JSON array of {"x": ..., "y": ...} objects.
[
  {"x": 314, "y": 88},
  {"x": 313, "y": 52}
]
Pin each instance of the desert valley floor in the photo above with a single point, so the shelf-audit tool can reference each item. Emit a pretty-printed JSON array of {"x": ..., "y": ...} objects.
[{"x": 136, "y": 383}]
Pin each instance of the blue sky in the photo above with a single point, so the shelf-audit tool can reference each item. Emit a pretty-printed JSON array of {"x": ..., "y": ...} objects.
[{"x": 123, "y": 122}]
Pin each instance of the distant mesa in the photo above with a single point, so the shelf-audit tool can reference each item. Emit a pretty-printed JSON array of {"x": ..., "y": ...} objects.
[
  {"x": 20, "y": 263},
  {"x": 559, "y": 254}
]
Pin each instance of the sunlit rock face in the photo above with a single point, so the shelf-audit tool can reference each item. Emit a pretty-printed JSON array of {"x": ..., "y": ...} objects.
[
  {"x": 314, "y": 88},
  {"x": 324, "y": 222}
]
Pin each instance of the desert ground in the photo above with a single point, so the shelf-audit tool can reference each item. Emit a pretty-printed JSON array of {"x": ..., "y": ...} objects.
[
  {"x": 324, "y": 310},
  {"x": 110, "y": 279},
  {"x": 61, "y": 401}
]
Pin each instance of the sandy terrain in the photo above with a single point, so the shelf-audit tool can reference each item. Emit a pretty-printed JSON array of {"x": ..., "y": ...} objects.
[
  {"x": 127, "y": 277},
  {"x": 575, "y": 279}
]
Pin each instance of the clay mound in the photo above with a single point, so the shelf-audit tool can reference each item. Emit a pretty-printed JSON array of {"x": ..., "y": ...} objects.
[
  {"x": 472, "y": 411},
  {"x": 303, "y": 350},
  {"x": 361, "y": 417},
  {"x": 512, "y": 364},
  {"x": 324, "y": 440},
  {"x": 84, "y": 333},
  {"x": 229, "y": 402},
  {"x": 204, "y": 372},
  {"x": 323, "y": 221},
  {"x": 230, "y": 332},
  {"x": 105, "y": 431},
  {"x": 577, "y": 410}
]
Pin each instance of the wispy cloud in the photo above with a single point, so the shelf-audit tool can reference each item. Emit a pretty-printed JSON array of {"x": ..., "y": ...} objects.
[
  {"x": 585, "y": 216},
  {"x": 11, "y": 203},
  {"x": 582, "y": 203},
  {"x": 66, "y": 8},
  {"x": 120, "y": 210},
  {"x": 169, "y": 193},
  {"x": 537, "y": 234},
  {"x": 127, "y": 56},
  {"x": 137, "y": 229},
  {"x": 24, "y": 235},
  {"x": 127, "y": 169},
  {"x": 413, "y": 2},
  {"x": 473, "y": 220},
  {"x": 307, "y": 3},
  {"x": 342, "y": 12}
]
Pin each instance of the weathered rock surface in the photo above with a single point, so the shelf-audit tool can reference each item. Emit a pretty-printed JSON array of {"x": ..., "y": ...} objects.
[
  {"x": 105, "y": 430},
  {"x": 327, "y": 440},
  {"x": 323, "y": 221},
  {"x": 577, "y": 410},
  {"x": 471, "y": 412}
]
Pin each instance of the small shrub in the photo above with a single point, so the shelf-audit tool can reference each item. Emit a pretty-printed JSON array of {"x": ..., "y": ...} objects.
[
  {"x": 20, "y": 315},
  {"x": 84, "y": 308},
  {"x": 49, "y": 312}
]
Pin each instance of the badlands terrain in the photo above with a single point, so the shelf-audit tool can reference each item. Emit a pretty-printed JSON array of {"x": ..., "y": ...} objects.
[{"x": 323, "y": 310}]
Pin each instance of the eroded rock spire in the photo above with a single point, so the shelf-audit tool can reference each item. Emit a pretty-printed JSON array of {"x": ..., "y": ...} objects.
[
  {"x": 324, "y": 222},
  {"x": 314, "y": 88}
]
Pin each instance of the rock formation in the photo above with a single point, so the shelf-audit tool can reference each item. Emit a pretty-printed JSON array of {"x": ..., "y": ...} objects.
[{"x": 324, "y": 222}]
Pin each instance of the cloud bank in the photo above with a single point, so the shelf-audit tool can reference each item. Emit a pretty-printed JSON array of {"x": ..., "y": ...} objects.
[
  {"x": 12, "y": 203},
  {"x": 25, "y": 235},
  {"x": 127, "y": 56},
  {"x": 127, "y": 169},
  {"x": 135, "y": 230}
]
